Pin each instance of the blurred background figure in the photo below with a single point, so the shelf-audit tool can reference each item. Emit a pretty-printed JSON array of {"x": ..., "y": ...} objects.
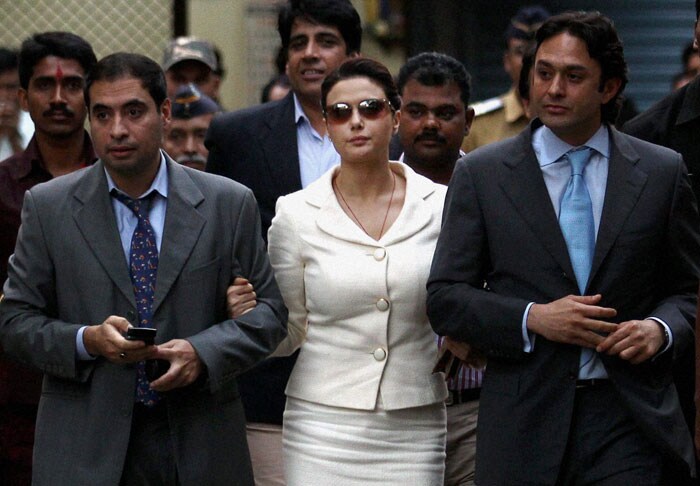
[
  {"x": 435, "y": 117},
  {"x": 690, "y": 60},
  {"x": 504, "y": 116},
  {"x": 192, "y": 112},
  {"x": 52, "y": 67},
  {"x": 16, "y": 127},
  {"x": 192, "y": 60},
  {"x": 276, "y": 89}
]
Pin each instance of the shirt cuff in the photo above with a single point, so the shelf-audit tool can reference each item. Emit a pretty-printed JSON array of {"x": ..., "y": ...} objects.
[
  {"x": 528, "y": 337},
  {"x": 668, "y": 333},
  {"x": 80, "y": 351}
]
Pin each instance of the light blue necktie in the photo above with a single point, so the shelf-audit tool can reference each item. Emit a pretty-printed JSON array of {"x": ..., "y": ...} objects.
[
  {"x": 576, "y": 218},
  {"x": 578, "y": 228}
]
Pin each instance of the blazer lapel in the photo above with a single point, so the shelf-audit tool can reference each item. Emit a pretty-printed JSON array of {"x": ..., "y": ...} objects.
[
  {"x": 183, "y": 225},
  {"x": 625, "y": 183},
  {"x": 415, "y": 214},
  {"x": 331, "y": 218},
  {"x": 279, "y": 145},
  {"x": 527, "y": 191},
  {"x": 95, "y": 219}
]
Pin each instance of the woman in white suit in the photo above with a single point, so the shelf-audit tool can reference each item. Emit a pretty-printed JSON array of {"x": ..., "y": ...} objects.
[{"x": 352, "y": 254}]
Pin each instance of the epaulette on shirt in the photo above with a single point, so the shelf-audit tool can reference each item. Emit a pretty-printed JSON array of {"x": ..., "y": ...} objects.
[{"x": 487, "y": 106}]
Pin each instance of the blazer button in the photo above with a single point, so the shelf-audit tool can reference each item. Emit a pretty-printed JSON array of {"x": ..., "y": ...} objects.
[
  {"x": 379, "y": 254},
  {"x": 383, "y": 305},
  {"x": 131, "y": 317},
  {"x": 379, "y": 354}
]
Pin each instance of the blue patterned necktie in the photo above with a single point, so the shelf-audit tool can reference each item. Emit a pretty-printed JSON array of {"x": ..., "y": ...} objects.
[
  {"x": 578, "y": 228},
  {"x": 143, "y": 266},
  {"x": 576, "y": 218}
]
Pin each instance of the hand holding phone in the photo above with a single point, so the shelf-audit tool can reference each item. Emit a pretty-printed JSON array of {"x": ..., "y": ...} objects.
[{"x": 145, "y": 334}]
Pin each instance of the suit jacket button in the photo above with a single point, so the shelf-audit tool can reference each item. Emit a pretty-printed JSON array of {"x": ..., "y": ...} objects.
[
  {"x": 383, "y": 305},
  {"x": 131, "y": 317},
  {"x": 379, "y": 254},
  {"x": 379, "y": 354}
]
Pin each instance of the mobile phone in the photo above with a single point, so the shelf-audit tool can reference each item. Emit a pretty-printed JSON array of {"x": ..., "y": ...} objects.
[{"x": 145, "y": 334}]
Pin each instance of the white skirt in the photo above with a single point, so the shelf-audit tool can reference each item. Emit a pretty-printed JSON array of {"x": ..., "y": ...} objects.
[{"x": 332, "y": 446}]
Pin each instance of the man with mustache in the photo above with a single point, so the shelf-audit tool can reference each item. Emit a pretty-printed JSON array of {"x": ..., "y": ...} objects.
[
  {"x": 52, "y": 68},
  {"x": 192, "y": 113},
  {"x": 435, "y": 91},
  {"x": 436, "y": 116}
]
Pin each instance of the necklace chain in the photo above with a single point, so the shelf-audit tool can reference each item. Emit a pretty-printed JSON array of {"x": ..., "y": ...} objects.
[{"x": 354, "y": 216}]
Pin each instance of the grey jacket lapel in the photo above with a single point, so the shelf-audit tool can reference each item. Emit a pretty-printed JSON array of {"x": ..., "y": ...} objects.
[
  {"x": 95, "y": 219},
  {"x": 183, "y": 226}
]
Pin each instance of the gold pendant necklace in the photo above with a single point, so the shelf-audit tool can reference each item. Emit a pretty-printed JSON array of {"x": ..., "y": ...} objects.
[{"x": 354, "y": 216}]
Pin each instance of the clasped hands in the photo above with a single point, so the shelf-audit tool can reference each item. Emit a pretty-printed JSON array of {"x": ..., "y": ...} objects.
[
  {"x": 577, "y": 320},
  {"x": 107, "y": 340}
]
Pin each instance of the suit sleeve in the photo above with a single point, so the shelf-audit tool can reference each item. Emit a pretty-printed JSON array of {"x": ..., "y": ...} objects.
[
  {"x": 458, "y": 304},
  {"x": 235, "y": 345},
  {"x": 285, "y": 255},
  {"x": 28, "y": 332},
  {"x": 677, "y": 287}
]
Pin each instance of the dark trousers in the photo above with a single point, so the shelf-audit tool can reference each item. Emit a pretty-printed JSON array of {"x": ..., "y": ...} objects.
[
  {"x": 150, "y": 460},
  {"x": 606, "y": 447}
]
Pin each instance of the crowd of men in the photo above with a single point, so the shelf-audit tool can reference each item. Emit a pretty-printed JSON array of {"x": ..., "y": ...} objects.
[{"x": 565, "y": 278}]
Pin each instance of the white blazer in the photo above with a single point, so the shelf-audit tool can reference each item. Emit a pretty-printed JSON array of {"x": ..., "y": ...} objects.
[{"x": 356, "y": 305}]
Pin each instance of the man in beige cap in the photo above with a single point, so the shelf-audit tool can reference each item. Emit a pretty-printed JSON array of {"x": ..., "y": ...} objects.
[{"x": 191, "y": 60}]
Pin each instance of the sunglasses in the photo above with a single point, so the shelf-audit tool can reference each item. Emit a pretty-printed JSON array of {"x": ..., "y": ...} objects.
[{"x": 370, "y": 109}]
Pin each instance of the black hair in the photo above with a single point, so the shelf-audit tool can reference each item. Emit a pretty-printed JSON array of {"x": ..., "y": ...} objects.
[
  {"x": 598, "y": 33},
  {"x": 60, "y": 44},
  {"x": 436, "y": 69},
  {"x": 277, "y": 80},
  {"x": 8, "y": 59},
  {"x": 525, "y": 71},
  {"x": 525, "y": 22},
  {"x": 126, "y": 64},
  {"x": 363, "y": 67},
  {"x": 688, "y": 51},
  {"x": 336, "y": 13}
]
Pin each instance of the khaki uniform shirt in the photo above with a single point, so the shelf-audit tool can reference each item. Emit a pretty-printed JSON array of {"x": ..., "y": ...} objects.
[{"x": 496, "y": 119}]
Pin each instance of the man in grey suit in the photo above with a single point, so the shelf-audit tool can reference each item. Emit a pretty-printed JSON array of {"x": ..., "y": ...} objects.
[
  {"x": 570, "y": 254},
  {"x": 138, "y": 240}
]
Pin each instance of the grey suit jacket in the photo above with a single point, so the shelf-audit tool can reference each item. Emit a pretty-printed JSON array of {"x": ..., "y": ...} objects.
[
  {"x": 69, "y": 270},
  {"x": 258, "y": 147},
  {"x": 500, "y": 227}
]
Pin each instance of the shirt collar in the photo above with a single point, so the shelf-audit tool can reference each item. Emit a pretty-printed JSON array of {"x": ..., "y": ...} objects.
[
  {"x": 299, "y": 111},
  {"x": 31, "y": 159},
  {"x": 549, "y": 148},
  {"x": 159, "y": 184}
]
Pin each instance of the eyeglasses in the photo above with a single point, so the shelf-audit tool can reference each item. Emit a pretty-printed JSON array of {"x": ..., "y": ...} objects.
[{"x": 370, "y": 109}]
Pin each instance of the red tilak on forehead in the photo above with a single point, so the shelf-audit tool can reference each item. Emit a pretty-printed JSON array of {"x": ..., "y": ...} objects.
[{"x": 59, "y": 71}]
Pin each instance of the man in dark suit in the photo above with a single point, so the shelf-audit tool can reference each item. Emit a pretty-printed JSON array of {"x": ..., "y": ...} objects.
[
  {"x": 138, "y": 240},
  {"x": 588, "y": 242},
  {"x": 275, "y": 149}
]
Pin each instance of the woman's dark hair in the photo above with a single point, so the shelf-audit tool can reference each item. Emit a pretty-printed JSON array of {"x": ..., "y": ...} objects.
[
  {"x": 599, "y": 34},
  {"x": 363, "y": 67}
]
